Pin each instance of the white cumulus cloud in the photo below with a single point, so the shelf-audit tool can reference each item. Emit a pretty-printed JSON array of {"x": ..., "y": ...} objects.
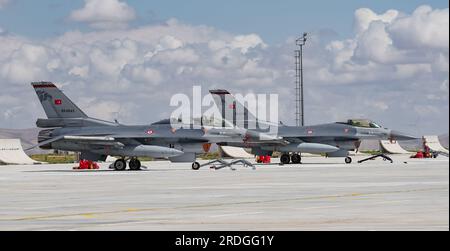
[
  {"x": 104, "y": 14},
  {"x": 364, "y": 17},
  {"x": 424, "y": 28},
  {"x": 384, "y": 71}
]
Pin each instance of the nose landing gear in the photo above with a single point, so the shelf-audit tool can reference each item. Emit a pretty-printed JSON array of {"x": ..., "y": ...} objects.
[
  {"x": 348, "y": 160},
  {"x": 195, "y": 166}
]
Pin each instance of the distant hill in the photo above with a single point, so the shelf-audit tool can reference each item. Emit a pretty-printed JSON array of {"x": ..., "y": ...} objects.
[{"x": 28, "y": 138}]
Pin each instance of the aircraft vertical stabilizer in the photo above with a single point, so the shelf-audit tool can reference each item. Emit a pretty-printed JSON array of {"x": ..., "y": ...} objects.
[{"x": 56, "y": 105}]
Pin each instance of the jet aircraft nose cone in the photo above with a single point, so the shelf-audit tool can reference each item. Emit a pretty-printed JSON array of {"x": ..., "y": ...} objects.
[{"x": 396, "y": 135}]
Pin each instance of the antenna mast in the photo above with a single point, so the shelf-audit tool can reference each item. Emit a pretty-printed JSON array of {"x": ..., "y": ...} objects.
[{"x": 299, "y": 100}]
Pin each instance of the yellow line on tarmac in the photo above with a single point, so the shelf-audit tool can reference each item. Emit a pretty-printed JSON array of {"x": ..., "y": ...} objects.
[{"x": 137, "y": 210}]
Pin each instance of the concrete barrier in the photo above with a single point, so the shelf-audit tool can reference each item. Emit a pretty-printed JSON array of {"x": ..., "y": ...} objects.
[
  {"x": 433, "y": 143},
  {"x": 11, "y": 152},
  {"x": 392, "y": 147},
  {"x": 236, "y": 152}
]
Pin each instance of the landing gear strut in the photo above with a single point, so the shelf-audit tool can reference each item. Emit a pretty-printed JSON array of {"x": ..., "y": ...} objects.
[
  {"x": 135, "y": 164},
  {"x": 120, "y": 165}
]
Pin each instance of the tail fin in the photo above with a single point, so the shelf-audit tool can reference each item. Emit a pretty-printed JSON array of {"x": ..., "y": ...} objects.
[
  {"x": 232, "y": 110},
  {"x": 56, "y": 105}
]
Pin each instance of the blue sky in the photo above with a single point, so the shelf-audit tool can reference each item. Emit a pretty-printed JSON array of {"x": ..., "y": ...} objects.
[
  {"x": 274, "y": 21},
  {"x": 392, "y": 68}
]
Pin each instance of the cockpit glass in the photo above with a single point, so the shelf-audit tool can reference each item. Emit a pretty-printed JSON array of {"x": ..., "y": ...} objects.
[{"x": 362, "y": 123}]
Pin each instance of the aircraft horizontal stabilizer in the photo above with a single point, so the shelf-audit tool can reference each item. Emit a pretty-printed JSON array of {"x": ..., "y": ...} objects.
[{"x": 45, "y": 142}]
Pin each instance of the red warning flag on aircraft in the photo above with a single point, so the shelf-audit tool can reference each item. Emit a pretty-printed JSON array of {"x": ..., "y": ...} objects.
[{"x": 58, "y": 102}]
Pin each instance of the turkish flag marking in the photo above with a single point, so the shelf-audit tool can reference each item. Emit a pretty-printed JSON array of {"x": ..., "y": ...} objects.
[{"x": 58, "y": 102}]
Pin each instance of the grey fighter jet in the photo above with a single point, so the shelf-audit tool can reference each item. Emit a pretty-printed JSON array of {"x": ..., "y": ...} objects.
[
  {"x": 68, "y": 128},
  {"x": 333, "y": 139}
]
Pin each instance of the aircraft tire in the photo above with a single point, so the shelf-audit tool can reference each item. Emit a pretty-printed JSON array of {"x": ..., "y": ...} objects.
[
  {"x": 135, "y": 164},
  {"x": 348, "y": 160},
  {"x": 285, "y": 159},
  {"x": 195, "y": 166},
  {"x": 296, "y": 158},
  {"x": 120, "y": 165}
]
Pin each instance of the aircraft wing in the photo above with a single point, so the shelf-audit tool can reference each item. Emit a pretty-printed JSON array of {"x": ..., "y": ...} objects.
[
  {"x": 319, "y": 138},
  {"x": 93, "y": 140},
  {"x": 252, "y": 137},
  {"x": 186, "y": 138}
]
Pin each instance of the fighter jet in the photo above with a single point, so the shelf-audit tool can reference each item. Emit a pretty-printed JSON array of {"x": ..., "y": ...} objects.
[
  {"x": 333, "y": 139},
  {"x": 68, "y": 128}
]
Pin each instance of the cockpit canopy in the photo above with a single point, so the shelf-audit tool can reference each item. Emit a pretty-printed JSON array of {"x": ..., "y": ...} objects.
[
  {"x": 361, "y": 123},
  {"x": 203, "y": 121},
  {"x": 163, "y": 122}
]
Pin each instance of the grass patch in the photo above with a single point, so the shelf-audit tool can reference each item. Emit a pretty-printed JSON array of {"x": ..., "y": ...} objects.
[
  {"x": 372, "y": 152},
  {"x": 210, "y": 156},
  {"x": 142, "y": 159},
  {"x": 54, "y": 158}
]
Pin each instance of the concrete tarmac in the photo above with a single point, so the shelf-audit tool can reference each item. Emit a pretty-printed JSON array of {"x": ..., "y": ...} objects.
[{"x": 320, "y": 194}]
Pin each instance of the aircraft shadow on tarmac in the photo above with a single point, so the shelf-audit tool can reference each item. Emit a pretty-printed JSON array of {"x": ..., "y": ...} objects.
[
  {"x": 146, "y": 169},
  {"x": 103, "y": 171}
]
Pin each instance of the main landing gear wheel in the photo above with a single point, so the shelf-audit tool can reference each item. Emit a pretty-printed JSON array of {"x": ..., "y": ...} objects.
[
  {"x": 296, "y": 158},
  {"x": 195, "y": 166},
  {"x": 285, "y": 159},
  {"x": 120, "y": 165},
  {"x": 135, "y": 164},
  {"x": 348, "y": 160}
]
